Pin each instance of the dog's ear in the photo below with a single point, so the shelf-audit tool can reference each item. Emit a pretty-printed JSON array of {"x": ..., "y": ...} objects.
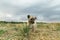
[{"x": 28, "y": 16}]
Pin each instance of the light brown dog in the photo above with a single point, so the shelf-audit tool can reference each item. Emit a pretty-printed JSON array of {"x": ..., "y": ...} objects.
[{"x": 31, "y": 22}]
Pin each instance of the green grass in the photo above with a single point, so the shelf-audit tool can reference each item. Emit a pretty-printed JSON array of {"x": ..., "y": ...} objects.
[
  {"x": 58, "y": 28},
  {"x": 2, "y": 32}
]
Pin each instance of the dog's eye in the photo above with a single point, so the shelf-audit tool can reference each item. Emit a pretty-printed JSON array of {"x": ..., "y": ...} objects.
[{"x": 32, "y": 19}]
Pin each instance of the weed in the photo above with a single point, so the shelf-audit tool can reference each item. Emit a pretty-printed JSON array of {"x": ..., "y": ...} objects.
[{"x": 2, "y": 32}]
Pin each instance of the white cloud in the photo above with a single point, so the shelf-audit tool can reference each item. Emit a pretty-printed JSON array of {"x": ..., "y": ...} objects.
[
  {"x": 55, "y": 16},
  {"x": 54, "y": 3},
  {"x": 40, "y": 18},
  {"x": 21, "y": 3},
  {"x": 3, "y": 14},
  {"x": 57, "y": 9}
]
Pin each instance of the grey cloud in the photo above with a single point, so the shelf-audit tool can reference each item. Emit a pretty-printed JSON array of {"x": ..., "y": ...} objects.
[{"x": 42, "y": 11}]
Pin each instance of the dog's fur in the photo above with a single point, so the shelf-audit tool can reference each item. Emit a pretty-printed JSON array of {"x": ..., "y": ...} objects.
[{"x": 31, "y": 22}]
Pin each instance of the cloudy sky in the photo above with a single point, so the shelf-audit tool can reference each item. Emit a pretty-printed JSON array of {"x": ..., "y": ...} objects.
[{"x": 17, "y": 10}]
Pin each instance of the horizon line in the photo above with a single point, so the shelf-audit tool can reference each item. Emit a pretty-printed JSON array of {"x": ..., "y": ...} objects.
[{"x": 37, "y": 21}]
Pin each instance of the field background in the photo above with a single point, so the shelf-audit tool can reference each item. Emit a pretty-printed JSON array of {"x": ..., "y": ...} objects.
[{"x": 19, "y": 31}]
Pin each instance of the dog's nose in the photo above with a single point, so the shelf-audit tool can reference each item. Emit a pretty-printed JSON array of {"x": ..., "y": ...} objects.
[{"x": 32, "y": 19}]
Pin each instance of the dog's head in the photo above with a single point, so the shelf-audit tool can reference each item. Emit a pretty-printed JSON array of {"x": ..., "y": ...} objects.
[{"x": 31, "y": 19}]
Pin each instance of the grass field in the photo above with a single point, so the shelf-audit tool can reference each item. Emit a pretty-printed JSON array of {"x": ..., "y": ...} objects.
[{"x": 19, "y": 31}]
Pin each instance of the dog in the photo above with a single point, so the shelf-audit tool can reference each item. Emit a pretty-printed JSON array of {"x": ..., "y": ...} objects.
[{"x": 31, "y": 22}]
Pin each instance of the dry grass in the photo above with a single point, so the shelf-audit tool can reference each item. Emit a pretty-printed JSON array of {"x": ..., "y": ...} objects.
[{"x": 19, "y": 31}]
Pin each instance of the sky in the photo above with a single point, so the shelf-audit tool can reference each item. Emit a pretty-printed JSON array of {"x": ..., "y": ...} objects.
[{"x": 17, "y": 10}]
